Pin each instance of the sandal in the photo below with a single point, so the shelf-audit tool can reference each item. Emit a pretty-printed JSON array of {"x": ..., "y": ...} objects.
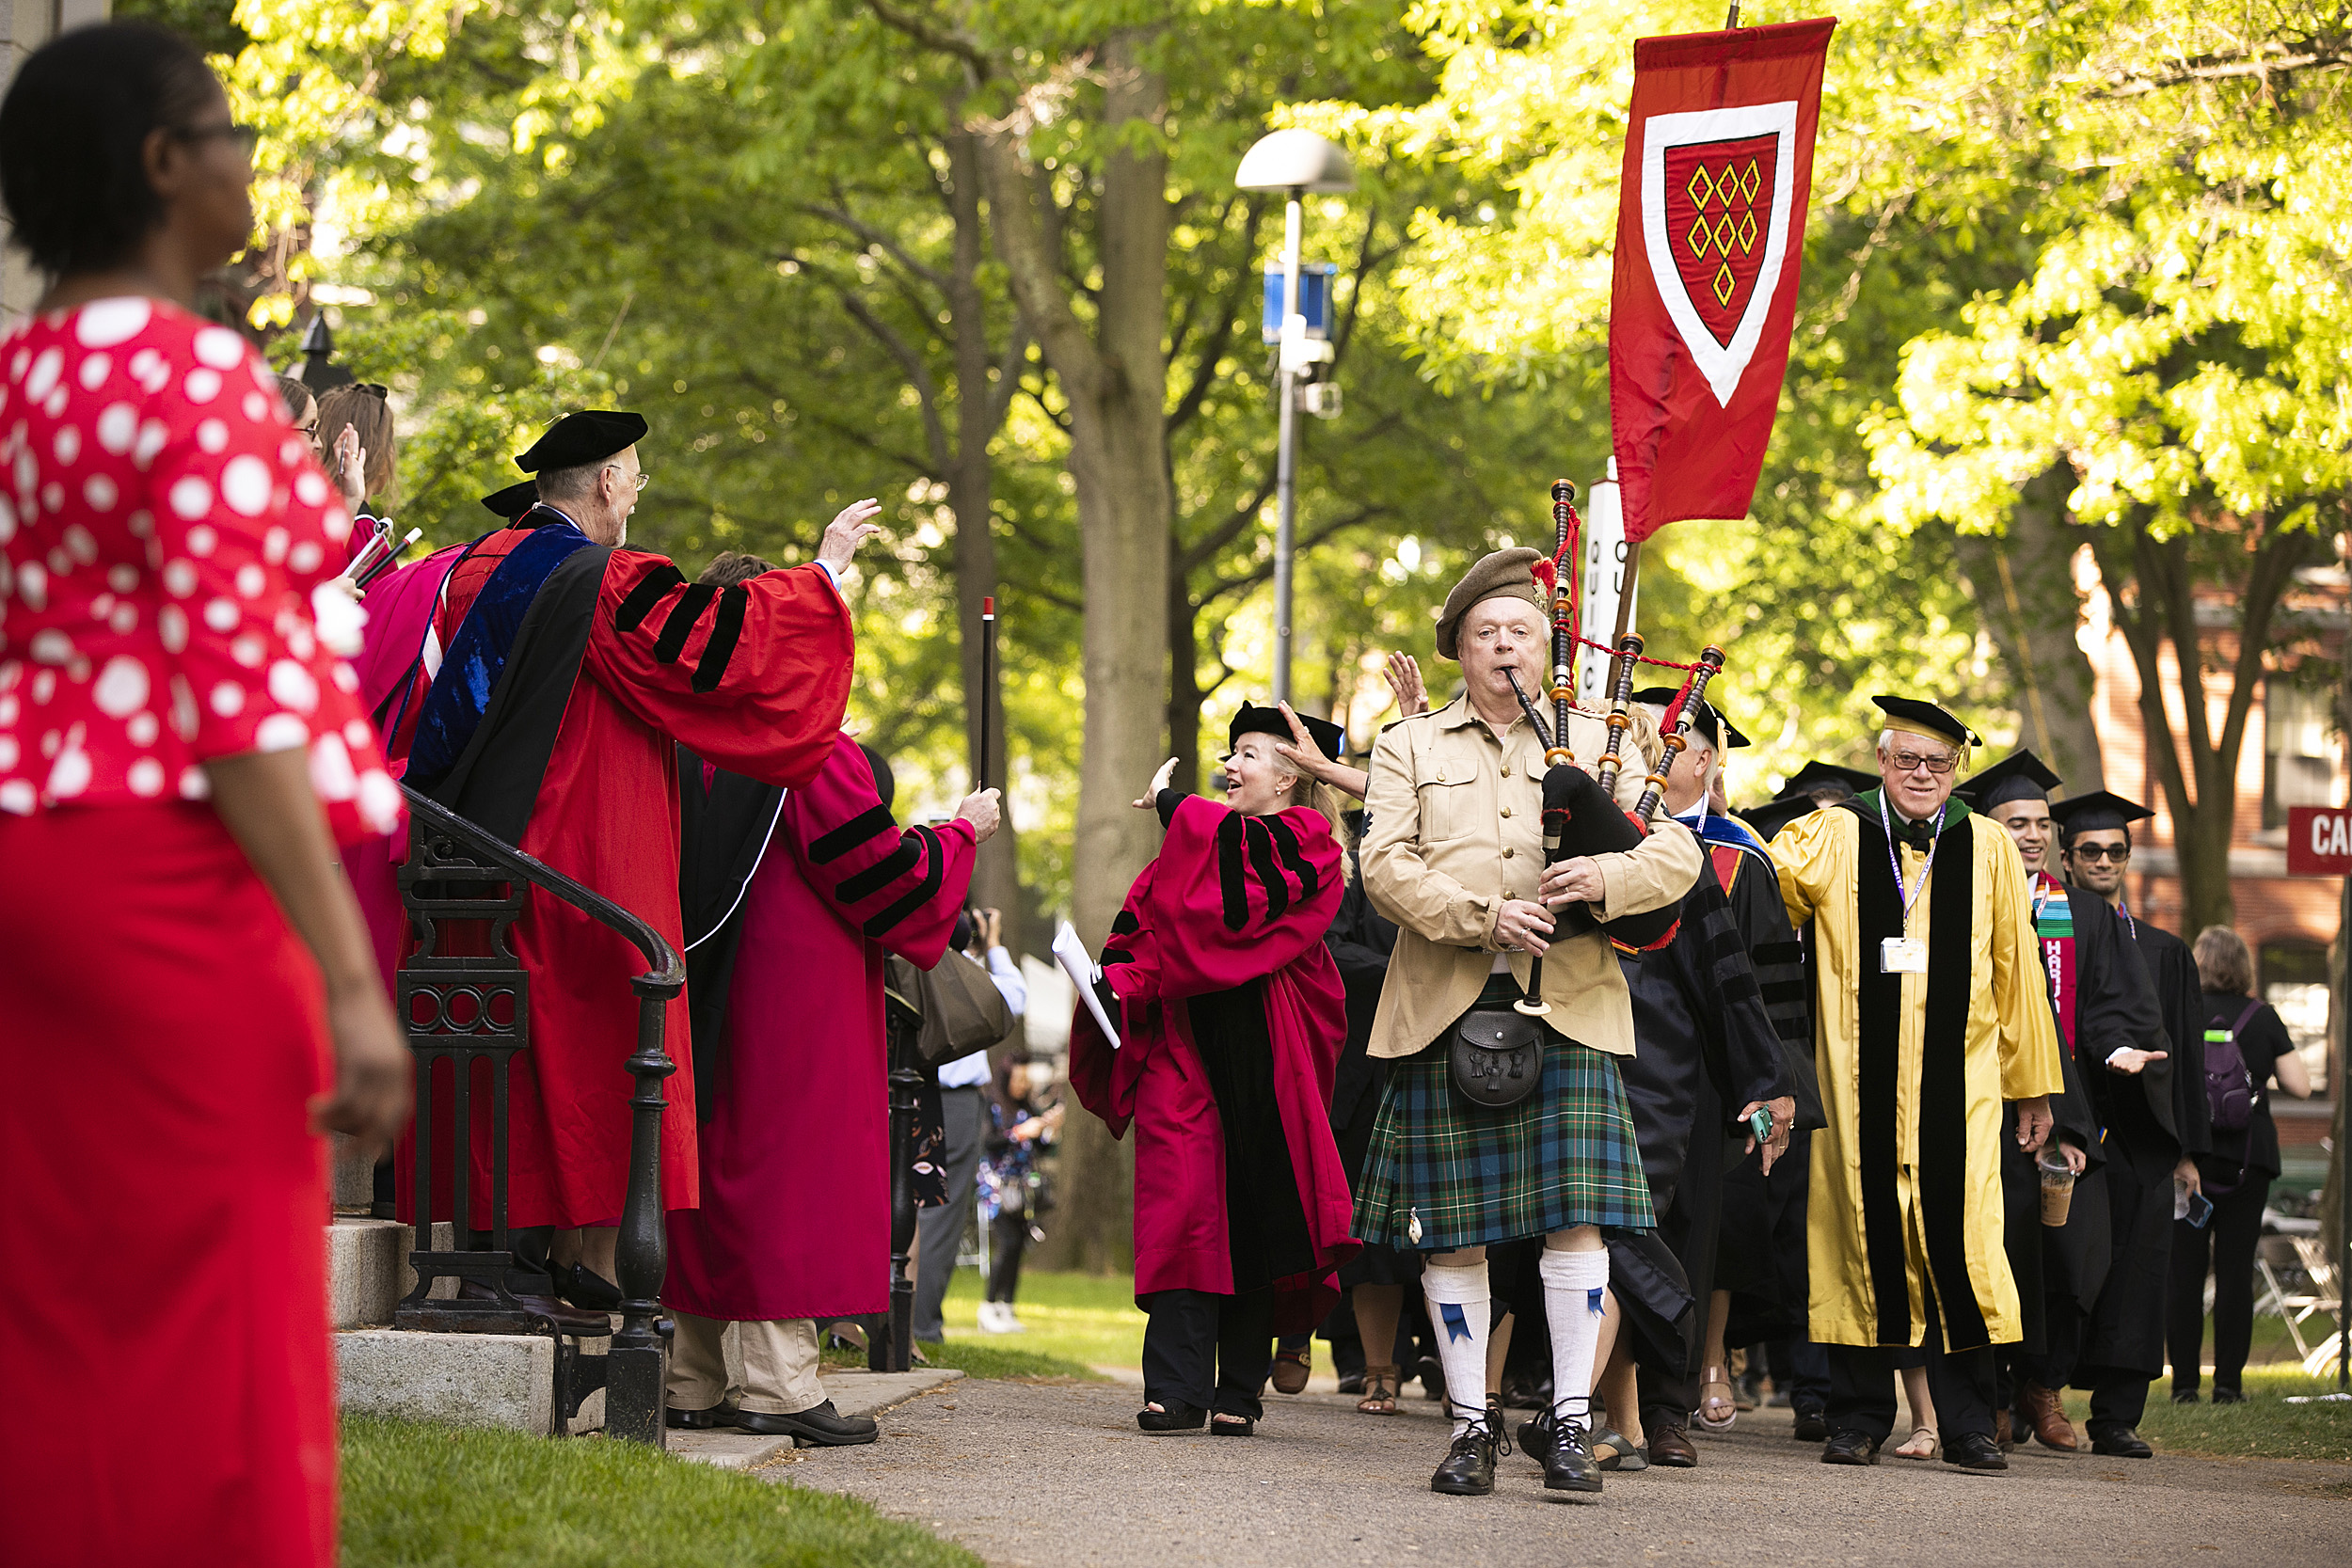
[
  {"x": 1922, "y": 1444},
  {"x": 1290, "y": 1371},
  {"x": 1716, "y": 1411},
  {"x": 1172, "y": 1415},
  {"x": 1225, "y": 1425},
  {"x": 1381, "y": 1386},
  {"x": 1612, "y": 1450}
]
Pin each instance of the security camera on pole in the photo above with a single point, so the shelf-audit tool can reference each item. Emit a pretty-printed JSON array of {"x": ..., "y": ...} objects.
[{"x": 1295, "y": 161}]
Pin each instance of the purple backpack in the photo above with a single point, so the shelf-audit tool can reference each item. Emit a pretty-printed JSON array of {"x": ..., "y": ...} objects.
[{"x": 2229, "y": 1089}]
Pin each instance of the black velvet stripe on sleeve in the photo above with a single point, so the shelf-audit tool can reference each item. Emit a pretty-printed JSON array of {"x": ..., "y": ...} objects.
[
  {"x": 1124, "y": 922},
  {"x": 683, "y": 617},
  {"x": 1116, "y": 956},
  {"x": 1784, "y": 993},
  {"x": 1944, "y": 1086},
  {"x": 1778, "y": 952},
  {"x": 1879, "y": 1049},
  {"x": 873, "y": 822},
  {"x": 1232, "y": 881},
  {"x": 864, "y": 885},
  {"x": 650, "y": 591},
  {"x": 1260, "y": 842},
  {"x": 1286, "y": 844},
  {"x": 726, "y": 630},
  {"x": 935, "y": 872}
]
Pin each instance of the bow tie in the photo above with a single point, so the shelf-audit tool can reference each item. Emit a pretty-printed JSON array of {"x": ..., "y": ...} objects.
[{"x": 1917, "y": 835}]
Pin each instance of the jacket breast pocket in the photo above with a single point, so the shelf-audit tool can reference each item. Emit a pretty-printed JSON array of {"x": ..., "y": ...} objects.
[{"x": 1448, "y": 809}]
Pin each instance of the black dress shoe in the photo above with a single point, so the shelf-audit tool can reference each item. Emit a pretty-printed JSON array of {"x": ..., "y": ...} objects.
[
  {"x": 555, "y": 1313},
  {"x": 2122, "y": 1443},
  {"x": 1469, "y": 1469},
  {"x": 1811, "y": 1426},
  {"x": 1172, "y": 1415},
  {"x": 819, "y": 1426},
  {"x": 2188, "y": 1396},
  {"x": 1571, "y": 1465},
  {"x": 720, "y": 1415},
  {"x": 585, "y": 1289},
  {"x": 1853, "y": 1448},
  {"x": 2228, "y": 1396},
  {"x": 1974, "y": 1450}
]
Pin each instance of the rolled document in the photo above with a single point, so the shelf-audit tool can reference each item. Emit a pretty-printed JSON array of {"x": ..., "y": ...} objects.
[{"x": 1079, "y": 965}]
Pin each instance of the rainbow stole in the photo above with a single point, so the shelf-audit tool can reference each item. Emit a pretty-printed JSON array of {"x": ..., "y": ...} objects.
[{"x": 2054, "y": 927}]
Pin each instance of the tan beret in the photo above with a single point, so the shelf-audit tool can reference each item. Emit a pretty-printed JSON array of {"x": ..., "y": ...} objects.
[{"x": 1504, "y": 575}]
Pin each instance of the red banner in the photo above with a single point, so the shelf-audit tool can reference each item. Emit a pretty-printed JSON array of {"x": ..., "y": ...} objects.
[
  {"x": 2319, "y": 841},
  {"x": 1710, "y": 235}
]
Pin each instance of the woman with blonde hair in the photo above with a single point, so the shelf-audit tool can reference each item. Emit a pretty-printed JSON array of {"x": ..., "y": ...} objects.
[{"x": 1231, "y": 1016}]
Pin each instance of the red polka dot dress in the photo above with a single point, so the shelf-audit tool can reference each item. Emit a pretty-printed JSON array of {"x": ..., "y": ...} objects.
[{"x": 165, "y": 549}]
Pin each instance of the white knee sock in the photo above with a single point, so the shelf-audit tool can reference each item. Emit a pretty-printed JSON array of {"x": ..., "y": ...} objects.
[
  {"x": 1573, "y": 1286},
  {"x": 1461, "y": 1313}
]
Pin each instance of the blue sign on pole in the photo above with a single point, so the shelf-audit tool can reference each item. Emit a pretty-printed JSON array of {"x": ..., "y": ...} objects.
[{"x": 1314, "y": 300}]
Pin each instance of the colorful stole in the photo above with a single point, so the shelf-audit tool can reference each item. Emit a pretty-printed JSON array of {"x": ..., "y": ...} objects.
[{"x": 2054, "y": 927}]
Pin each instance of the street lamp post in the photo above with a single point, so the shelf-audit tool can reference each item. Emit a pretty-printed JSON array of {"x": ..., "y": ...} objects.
[{"x": 1295, "y": 161}]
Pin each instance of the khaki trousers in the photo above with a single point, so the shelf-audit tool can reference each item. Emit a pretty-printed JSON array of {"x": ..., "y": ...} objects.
[{"x": 779, "y": 1365}]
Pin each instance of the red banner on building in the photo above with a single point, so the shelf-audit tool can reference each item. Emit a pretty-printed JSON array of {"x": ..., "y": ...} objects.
[
  {"x": 2319, "y": 841},
  {"x": 1710, "y": 235}
]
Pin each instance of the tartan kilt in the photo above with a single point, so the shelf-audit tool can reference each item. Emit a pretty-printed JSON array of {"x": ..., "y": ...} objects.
[{"x": 1562, "y": 1156}]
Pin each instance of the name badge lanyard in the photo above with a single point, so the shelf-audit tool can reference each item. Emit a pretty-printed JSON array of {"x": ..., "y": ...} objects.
[{"x": 1910, "y": 895}]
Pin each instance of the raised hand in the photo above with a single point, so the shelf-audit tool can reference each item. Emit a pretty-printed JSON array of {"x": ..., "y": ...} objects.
[
  {"x": 1159, "y": 780},
  {"x": 1405, "y": 680},
  {"x": 851, "y": 528},
  {"x": 983, "y": 812}
]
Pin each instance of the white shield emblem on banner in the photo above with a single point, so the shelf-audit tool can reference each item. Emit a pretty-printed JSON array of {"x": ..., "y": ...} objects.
[{"x": 1718, "y": 187}]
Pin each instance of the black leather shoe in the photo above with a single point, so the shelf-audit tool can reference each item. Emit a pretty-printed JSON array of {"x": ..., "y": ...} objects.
[
  {"x": 1974, "y": 1450},
  {"x": 564, "y": 1319},
  {"x": 1172, "y": 1415},
  {"x": 1811, "y": 1426},
  {"x": 585, "y": 1289},
  {"x": 1469, "y": 1470},
  {"x": 819, "y": 1426},
  {"x": 1569, "y": 1466},
  {"x": 1853, "y": 1448},
  {"x": 2188, "y": 1396},
  {"x": 2122, "y": 1442},
  {"x": 2228, "y": 1396},
  {"x": 720, "y": 1415}
]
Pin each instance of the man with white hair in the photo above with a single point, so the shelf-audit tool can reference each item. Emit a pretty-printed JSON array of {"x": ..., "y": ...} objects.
[{"x": 1929, "y": 1012}]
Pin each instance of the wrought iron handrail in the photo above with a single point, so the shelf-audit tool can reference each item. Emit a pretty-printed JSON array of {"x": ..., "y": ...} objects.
[{"x": 631, "y": 1373}]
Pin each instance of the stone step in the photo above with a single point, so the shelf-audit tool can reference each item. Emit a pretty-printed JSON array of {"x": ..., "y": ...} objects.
[{"x": 368, "y": 1272}]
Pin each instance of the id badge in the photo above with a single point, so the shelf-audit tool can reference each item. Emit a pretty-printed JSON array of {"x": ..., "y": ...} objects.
[{"x": 1902, "y": 956}]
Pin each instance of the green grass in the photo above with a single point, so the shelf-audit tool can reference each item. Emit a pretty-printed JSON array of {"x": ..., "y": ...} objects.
[
  {"x": 1075, "y": 1321},
  {"x": 417, "y": 1495},
  {"x": 2264, "y": 1427}
]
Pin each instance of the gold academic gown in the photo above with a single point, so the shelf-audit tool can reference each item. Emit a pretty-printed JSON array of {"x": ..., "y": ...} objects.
[{"x": 1906, "y": 1178}]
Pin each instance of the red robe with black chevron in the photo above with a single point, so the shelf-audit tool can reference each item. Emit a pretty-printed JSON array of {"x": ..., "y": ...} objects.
[
  {"x": 608, "y": 816},
  {"x": 795, "y": 1217},
  {"x": 1228, "y": 899}
]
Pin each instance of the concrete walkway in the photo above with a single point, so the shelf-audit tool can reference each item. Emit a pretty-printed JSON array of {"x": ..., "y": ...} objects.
[
  {"x": 1051, "y": 1475},
  {"x": 852, "y": 1393}
]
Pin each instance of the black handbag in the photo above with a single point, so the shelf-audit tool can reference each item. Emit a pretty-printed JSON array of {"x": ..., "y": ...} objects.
[{"x": 1496, "y": 1057}]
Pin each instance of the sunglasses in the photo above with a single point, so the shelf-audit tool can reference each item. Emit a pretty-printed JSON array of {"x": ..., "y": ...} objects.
[{"x": 2119, "y": 853}]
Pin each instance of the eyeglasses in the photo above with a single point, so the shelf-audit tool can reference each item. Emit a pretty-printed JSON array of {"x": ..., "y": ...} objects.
[
  {"x": 2119, "y": 853},
  {"x": 1911, "y": 762},
  {"x": 245, "y": 136},
  {"x": 643, "y": 478}
]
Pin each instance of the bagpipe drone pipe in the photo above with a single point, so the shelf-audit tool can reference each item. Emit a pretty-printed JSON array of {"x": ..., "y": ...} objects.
[{"x": 1580, "y": 813}]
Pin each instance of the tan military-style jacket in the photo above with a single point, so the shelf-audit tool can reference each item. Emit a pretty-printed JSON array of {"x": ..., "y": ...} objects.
[{"x": 1457, "y": 829}]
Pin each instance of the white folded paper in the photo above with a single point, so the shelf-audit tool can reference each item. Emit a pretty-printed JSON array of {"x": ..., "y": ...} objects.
[{"x": 1079, "y": 965}]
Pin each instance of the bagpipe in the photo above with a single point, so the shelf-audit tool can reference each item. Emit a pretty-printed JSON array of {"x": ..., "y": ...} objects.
[{"x": 1581, "y": 812}]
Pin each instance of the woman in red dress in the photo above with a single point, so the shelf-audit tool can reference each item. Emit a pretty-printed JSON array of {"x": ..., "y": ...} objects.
[{"x": 180, "y": 754}]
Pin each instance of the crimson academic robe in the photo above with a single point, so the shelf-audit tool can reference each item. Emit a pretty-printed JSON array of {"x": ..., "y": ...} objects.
[
  {"x": 570, "y": 670},
  {"x": 795, "y": 1217},
  {"x": 1231, "y": 901}
]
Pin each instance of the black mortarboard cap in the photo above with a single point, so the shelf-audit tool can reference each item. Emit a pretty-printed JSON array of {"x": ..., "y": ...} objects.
[
  {"x": 2096, "y": 811},
  {"x": 513, "y": 501},
  {"x": 2019, "y": 776},
  {"x": 1911, "y": 712},
  {"x": 1328, "y": 737},
  {"x": 1826, "y": 775},
  {"x": 1708, "y": 719},
  {"x": 590, "y": 435}
]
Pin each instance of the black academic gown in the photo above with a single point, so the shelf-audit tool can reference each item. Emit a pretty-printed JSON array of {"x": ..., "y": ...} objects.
[
  {"x": 1360, "y": 941},
  {"x": 1705, "y": 1045},
  {"x": 2151, "y": 1119}
]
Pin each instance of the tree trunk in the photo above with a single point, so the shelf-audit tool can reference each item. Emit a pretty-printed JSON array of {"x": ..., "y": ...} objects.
[
  {"x": 1184, "y": 696},
  {"x": 996, "y": 874},
  {"x": 1114, "y": 380},
  {"x": 2023, "y": 581}
]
